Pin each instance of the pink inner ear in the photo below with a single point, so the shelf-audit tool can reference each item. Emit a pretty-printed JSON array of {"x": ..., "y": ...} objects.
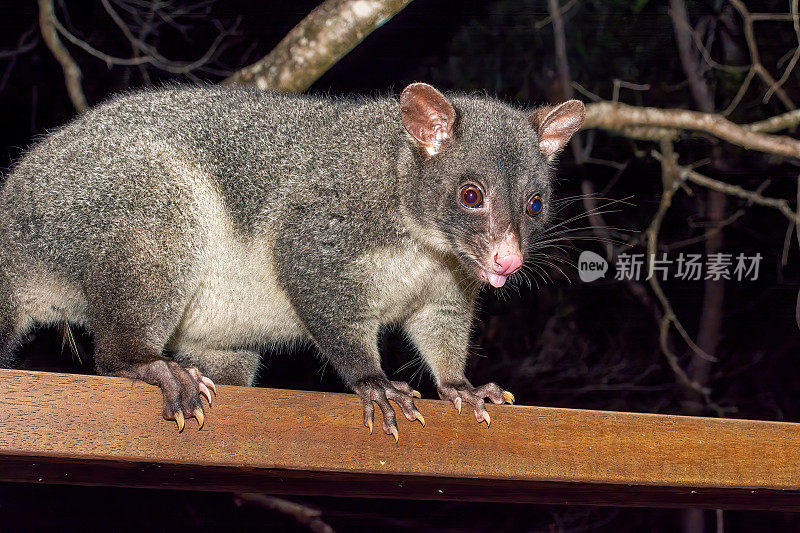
[{"x": 427, "y": 115}]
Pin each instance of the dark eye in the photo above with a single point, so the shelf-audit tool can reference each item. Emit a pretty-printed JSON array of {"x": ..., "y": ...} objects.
[
  {"x": 534, "y": 206},
  {"x": 471, "y": 196}
]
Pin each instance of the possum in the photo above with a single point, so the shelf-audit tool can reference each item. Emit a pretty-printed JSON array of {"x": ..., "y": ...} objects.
[{"x": 189, "y": 228}]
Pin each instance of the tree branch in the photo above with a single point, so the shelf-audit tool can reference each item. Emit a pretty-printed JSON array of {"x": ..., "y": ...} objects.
[
  {"x": 757, "y": 66},
  {"x": 548, "y": 19},
  {"x": 669, "y": 175},
  {"x": 752, "y": 197},
  {"x": 795, "y": 55},
  {"x": 151, "y": 55},
  {"x": 619, "y": 117},
  {"x": 72, "y": 72},
  {"x": 691, "y": 66},
  {"x": 321, "y": 39},
  {"x": 304, "y": 515},
  {"x": 562, "y": 64},
  {"x": 778, "y": 122}
]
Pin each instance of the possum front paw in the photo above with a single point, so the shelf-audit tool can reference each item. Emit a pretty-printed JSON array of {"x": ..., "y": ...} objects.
[
  {"x": 180, "y": 386},
  {"x": 465, "y": 392},
  {"x": 380, "y": 390}
]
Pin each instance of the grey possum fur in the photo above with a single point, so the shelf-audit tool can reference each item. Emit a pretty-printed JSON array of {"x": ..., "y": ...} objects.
[{"x": 187, "y": 228}]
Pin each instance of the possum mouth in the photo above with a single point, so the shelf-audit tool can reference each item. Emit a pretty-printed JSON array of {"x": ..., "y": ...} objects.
[
  {"x": 495, "y": 280},
  {"x": 484, "y": 274}
]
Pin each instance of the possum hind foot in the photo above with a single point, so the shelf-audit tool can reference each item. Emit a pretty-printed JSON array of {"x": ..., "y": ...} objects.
[
  {"x": 465, "y": 392},
  {"x": 380, "y": 390},
  {"x": 180, "y": 386}
]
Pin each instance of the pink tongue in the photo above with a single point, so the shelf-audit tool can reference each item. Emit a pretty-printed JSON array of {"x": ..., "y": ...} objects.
[{"x": 495, "y": 280}]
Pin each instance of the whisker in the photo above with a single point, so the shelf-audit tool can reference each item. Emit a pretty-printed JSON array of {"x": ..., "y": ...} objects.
[
  {"x": 564, "y": 260},
  {"x": 589, "y": 238},
  {"x": 581, "y": 216},
  {"x": 542, "y": 272},
  {"x": 559, "y": 204},
  {"x": 555, "y": 266},
  {"x": 416, "y": 359}
]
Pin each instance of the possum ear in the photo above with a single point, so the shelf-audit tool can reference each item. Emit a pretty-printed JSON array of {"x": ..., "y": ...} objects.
[
  {"x": 556, "y": 124},
  {"x": 427, "y": 115}
]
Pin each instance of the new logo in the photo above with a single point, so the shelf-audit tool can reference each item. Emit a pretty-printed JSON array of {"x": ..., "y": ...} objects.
[{"x": 591, "y": 266}]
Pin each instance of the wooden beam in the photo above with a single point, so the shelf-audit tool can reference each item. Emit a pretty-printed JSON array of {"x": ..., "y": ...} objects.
[{"x": 63, "y": 428}]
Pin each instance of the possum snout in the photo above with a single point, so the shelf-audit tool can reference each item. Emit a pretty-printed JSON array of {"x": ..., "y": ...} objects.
[
  {"x": 507, "y": 264},
  {"x": 506, "y": 258}
]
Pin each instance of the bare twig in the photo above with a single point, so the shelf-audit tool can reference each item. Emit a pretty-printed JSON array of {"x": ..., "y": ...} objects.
[
  {"x": 797, "y": 232},
  {"x": 627, "y": 85},
  {"x": 304, "y": 515},
  {"x": 326, "y": 35},
  {"x": 72, "y": 72},
  {"x": 775, "y": 17},
  {"x": 783, "y": 121},
  {"x": 586, "y": 92},
  {"x": 740, "y": 93},
  {"x": 562, "y": 65},
  {"x": 698, "y": 42},
  {"x": 792, "y": 61},
  {"x": 753, "y": 197},
  {"x": 718, "y": 226},
  {"x": 683, "y": 35},
  {"x": 539, "y": 24},
  {"x": 560, "y": 43},
  {"x": 26, "y": 42},
  {"x": 151, "y": 56},
  {"x": 752, "y": 46},
  {"x": 710, "y": 323},
  {"x": 669, "y": 178}
]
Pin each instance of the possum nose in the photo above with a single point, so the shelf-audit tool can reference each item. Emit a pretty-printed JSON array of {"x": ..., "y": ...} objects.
[
  {"x": 505, "y": 254},
  {"x": 507, "y": 264}
]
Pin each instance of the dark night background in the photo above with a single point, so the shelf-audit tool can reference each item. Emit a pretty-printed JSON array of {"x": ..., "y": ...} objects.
[{"x": 566, "y": 344}]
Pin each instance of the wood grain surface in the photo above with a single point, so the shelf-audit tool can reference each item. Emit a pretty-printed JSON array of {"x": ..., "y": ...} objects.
[{"x": 63, "y": 428}]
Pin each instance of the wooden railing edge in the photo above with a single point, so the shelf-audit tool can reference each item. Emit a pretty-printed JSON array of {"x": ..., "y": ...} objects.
[{"x": 63, "y": 428}]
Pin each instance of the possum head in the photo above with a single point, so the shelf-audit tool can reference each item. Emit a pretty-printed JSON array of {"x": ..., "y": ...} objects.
[{"x": 482, "y": 175}]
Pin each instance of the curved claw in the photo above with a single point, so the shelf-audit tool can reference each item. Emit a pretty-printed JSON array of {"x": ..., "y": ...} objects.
[
  {"x": 198, "y": 414},
  {"x": 182, "y": 388},
  {"x": 180, "y": 421},
  {"x": 475, "y": 396},
  {"x": 210, "y": 384},
  {"x": 379, "y": 390},
  {"x": 205, "y": 392}
]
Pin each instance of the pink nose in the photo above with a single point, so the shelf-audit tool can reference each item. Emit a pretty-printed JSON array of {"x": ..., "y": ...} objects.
[{"x": 508, "y": 264}]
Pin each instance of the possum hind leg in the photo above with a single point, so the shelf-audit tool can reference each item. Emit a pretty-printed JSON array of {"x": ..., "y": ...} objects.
[
  {"x": 13, "y": 325},
  {"x": 132, "y": 319},
  {"x": 136, "y": 298},
  {"x": 137, "y": 353}
]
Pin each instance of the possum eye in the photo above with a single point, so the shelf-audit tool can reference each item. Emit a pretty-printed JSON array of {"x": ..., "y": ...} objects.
[
  {"x": 471, "y": 196},
  {"x": 534, "y": 206}
]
